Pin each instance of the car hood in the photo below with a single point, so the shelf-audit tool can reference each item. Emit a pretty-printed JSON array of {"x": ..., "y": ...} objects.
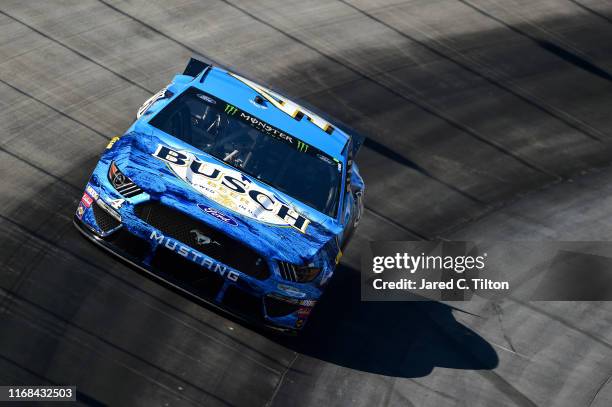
[{"x": 219, "y": 195}]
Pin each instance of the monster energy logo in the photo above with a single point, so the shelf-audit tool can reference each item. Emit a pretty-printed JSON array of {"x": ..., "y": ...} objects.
[
  {"x": 301, "y": 146},
  {"x": 229, "y": 109}
]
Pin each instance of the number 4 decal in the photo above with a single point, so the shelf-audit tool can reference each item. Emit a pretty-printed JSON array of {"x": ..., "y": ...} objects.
[{"x": 292, "y": 109}]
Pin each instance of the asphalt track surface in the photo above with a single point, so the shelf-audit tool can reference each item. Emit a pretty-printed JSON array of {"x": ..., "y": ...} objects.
[{"x": 487, "y": 119}]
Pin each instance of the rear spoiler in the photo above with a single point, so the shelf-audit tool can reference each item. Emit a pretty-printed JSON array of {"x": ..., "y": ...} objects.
[
  {"x": 357, "y": 138},
  {"x": 195, "y": 67}
]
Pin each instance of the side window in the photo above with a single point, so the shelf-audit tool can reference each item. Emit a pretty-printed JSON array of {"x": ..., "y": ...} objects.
[{"x": 349, "y": 168}]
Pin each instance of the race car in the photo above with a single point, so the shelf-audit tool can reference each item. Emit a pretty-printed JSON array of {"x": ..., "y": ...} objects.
[{"x": 230, "y": 192}]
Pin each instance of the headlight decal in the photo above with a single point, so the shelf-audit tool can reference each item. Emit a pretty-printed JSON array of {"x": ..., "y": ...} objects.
[
  {"x": 122, "y": 183},
  {"x": 298, "y": 274}
]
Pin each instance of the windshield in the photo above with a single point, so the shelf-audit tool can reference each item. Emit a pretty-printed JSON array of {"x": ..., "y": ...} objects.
[{"x": 255, "y": 147}]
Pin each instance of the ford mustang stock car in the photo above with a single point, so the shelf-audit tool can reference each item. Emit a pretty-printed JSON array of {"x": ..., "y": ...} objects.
[{"x": 229, "y": 192}]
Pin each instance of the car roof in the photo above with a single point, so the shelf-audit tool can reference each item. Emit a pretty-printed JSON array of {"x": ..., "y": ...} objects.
[{"x": 234, "y": 90}]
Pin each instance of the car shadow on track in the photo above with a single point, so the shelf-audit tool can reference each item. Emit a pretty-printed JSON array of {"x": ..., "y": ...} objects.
[{"x": 401, "y": 339}]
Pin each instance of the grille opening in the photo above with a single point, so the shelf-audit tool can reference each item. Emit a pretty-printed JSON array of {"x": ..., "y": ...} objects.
[
  {"x": 182, "y": 227},
  {"x": 104, "y": 220},
  {"x": 279, "y": 308},
  {"x": 242, "y": 302},
  {"x": 196, "y": 279},
  {"x": 129, "y": 243}
]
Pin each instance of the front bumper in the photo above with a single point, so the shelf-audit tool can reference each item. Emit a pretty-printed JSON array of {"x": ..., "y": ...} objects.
[{"x": 247, "y": 298}]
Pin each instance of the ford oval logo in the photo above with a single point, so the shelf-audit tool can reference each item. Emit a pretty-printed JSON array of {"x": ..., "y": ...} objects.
[{"x": 217, "y": 214}]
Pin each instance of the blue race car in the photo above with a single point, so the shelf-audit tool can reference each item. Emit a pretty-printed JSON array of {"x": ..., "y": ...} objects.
[{"x": 230, "y": 192}]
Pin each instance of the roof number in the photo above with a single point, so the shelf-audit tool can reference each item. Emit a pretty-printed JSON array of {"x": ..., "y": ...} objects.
[{"x": 292, "y": 109}]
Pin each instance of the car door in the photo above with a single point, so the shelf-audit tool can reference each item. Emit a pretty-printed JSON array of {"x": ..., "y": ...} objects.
[{"x": 353, "y": 200}]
